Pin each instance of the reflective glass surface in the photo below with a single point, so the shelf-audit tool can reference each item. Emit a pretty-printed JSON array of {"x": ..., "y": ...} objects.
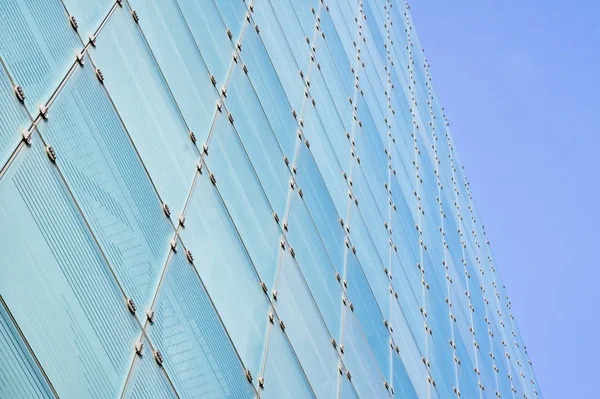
[{"x": 238, "y": 199}]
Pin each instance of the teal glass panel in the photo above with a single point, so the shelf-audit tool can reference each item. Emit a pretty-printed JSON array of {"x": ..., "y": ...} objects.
[
  {"x": 368, "y": 313},
  {"x": 306, "y": 329},
  {"x": 315, "y": 264},
  {"x": 57, "y": 285},
  {"x": 293, "y": 33},
  {"x": 256, "y": 136},
  {"x": 147, "y": 380},
  {"x": 177, "y": 54},
  {"x": 13, "y": 118},
  {"x": 347, "y": 390},
  {"x": 283, "y": 375},
  {"x": 245, "y": 199},
  {"x": 155, "y": 124},
  {"x": 20, "y": 376},
  {"x": 226, "y": 271},
  {"x": 271, "y": 95},
  {"x": 326, "y": 160},
  {"x": 280, "y": 53},
  {"x": 233, "y": 13},
  {"x": 197, "y": 352},
  {"x": 38, "y": 46},
  {"x": 372, "y": 265},
  {"x": 210, "y": 34},
  {"x": 89, "y": 15},
  {"x": 359, "y": 360},
  {"x": 321, "y": 207},
  {"x": 110, "y": 184}
]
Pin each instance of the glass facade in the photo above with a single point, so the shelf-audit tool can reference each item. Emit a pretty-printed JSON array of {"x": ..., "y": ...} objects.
[{"x": 238, "y": 199}]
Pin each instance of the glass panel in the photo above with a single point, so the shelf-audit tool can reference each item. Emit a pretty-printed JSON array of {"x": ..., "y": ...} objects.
[
  {"x": 315, "y": 264},
  {"x": 270, "y": 93},
  {"x": 368, "y": 313},
  {"x": 366, "y": 376},
  {"x": 369, "y": 210},
  {"x": 279, "y": 51},
  {"x": 147, "y": 379},
  {"x": 210, "y": 34},
  {"x": 244, "y": 198},
  {"x": 227, "y": 271},
  {"x": 155, "y": 124},
  {"x": 38, "y": 46},
  {"x": 180, "y": 61},
  {"x": 306, "y": 329},
  {"x": 327, "y": 114},
  {"x": 320, "y": 205},
  {"x": 401, "y": 383},
  {"x": 347, "y": 390},
  {"x": 367, "y": 255},
  {"x": 255, "y": 133},
  {"x": 13, "y": 117},
  {"x": 326, "y": 160},
  {"x": 89, "y": 14},
  {"x": 110, "y": 185},
  {"x": 283, "y": 375},
  {"x": 56, "y": 284},
  {"x": 292, "y": 32},
  {"x": 233, "y": 13},
  {"x": 20, "y": 377},
  {"x": 197, "y": 352}
]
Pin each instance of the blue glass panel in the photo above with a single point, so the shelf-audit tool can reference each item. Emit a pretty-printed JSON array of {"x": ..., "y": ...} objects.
[
  {"x": 227, "y": 272},
  {"x": 210, "y": 34},
  {"x": 280, "y": 53},
  {"x": 180, "y": 61},
  {"x": 38, "y": 46},
  {"x": 366, "y": 252},
  {"x": 57, "y": 285},
  {"x": 155, "y": 124},
  {"x": 330, "y": 119},
  {"x": 110, "y": 185},
  {"x": 401, "y": 383},
  {"x": 320, "y": 205},
  {"x": 306, "y": 329},
  {"x": 198, "y": 355},
  {"x": 259, "y": 142},
  {"x": 292, "y": 32},
  {"x": 13, "y": 117},
  {"x": 147, "y": 380},
  {"x": 347, "y": 390},
  {"x": 245, "y": 199},
  {"x": 358, "y": 358},
  {"x": 270, "y": 93},
  {"x": 325, "y": 158},
  {"x": 368, "y": 313},
  {"x": 20, "y": 376},
  {"x": 233, "y": 13},
  {"x": 315, "y": 264},
  {"x": 89, "y": 14},
  {"x": 283, "y": 375}
]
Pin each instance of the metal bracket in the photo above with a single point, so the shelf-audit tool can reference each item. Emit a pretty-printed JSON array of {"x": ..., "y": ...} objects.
[
  {"x": 189, "y": 256},
  {"x": 158, "y": 357},
  {"x": 27, "y": 136},
  {"x": 51, "y": 153},
  {"x": 73, "y": 21},
  {"x": 131, "y": 305},
  {"x": 19, "y": 93},
  {"x": 139, "y": 348}
]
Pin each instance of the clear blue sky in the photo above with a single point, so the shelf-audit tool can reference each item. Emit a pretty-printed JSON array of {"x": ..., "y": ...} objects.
[{"x": 520, "y": 82}]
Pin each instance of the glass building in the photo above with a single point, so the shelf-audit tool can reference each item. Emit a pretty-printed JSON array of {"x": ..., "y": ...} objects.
[{"x": 238, "y": 199}]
